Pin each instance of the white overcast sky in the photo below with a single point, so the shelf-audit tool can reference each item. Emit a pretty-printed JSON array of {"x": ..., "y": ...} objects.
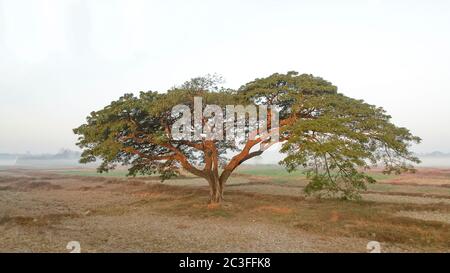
[{"x": 59, "y": 60}]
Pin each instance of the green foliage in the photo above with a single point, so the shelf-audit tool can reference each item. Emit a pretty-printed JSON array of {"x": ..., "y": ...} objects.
[
  {"x": 336, "y": 138},
  {"x": 135, "y": 131}
]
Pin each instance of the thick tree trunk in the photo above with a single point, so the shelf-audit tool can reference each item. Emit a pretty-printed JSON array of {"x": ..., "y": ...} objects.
[{"x": 215, "y": 190}]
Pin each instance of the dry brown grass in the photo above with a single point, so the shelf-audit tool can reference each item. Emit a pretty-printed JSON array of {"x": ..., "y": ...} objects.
[
  {"x": 39, "y": 221},
  {"x": 115, "y": 199},
  {"x": 368, "y": 220},
  {"x": 414, "y": 194},
  {"x": 24, "y": 185},
  {"x": 274, "y": 209}
]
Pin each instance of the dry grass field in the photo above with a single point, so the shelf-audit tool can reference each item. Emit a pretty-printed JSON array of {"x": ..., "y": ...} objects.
[{"x": 265, "y": 211}]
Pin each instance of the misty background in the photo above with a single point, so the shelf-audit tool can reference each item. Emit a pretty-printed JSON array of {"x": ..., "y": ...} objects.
[{"x": 60, "y": 60}]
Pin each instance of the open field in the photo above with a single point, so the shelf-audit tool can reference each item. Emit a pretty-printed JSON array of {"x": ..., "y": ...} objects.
[{"x": 265, "y": 211}]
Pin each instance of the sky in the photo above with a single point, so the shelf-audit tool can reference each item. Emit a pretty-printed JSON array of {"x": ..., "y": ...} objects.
[{"x": 60, "y": 60}]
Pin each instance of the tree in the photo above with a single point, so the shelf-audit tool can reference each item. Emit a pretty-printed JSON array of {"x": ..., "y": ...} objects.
[{"x": 335, "y": 138}]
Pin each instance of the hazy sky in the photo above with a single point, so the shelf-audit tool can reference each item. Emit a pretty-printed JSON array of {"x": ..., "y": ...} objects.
[{"x": 59, "y": 60}]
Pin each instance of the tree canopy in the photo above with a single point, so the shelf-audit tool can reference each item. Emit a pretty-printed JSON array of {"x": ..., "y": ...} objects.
[{"x": 334, "y": 138}]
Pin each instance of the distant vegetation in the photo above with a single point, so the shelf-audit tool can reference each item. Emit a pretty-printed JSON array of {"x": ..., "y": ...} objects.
[
  {"x": 63, "y": 154},
  {"x": 63, "y": 157},
  {"x": 434, "y": 154}
]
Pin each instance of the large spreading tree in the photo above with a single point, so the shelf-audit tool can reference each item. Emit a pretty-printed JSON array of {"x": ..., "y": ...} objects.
[{"x": 334, "y": 138}]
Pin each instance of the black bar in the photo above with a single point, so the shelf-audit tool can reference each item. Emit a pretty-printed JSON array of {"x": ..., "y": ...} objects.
[{"x": 223, "y": 262}]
